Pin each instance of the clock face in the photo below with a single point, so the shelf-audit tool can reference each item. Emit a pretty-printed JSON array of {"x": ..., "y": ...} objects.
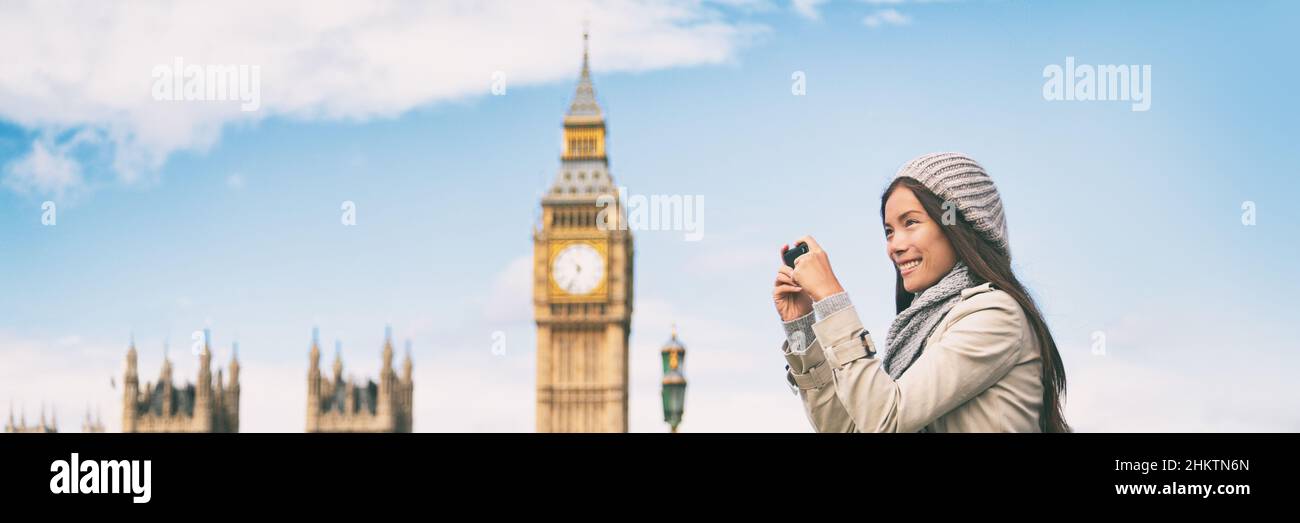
[{"x": 578, "y": 268}]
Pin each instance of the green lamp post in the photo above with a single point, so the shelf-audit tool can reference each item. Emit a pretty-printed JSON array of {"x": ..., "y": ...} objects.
[{"x": 674, "y": 392}]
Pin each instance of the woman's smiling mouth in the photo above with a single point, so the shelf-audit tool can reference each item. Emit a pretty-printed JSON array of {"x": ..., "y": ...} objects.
[{"x": 905, "y": 268}]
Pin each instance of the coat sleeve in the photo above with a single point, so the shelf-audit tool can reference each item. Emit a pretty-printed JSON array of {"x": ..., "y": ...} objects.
[
  {"x": 808, "y": 373},
  {"x": 979, "y": 347}
]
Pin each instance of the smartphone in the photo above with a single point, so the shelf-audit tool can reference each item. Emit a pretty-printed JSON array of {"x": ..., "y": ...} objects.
[{"x": 791, "y": 255}]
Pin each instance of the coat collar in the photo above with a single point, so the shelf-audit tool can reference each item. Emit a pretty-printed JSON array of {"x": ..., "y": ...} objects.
[{"x": 978, "y": 289}]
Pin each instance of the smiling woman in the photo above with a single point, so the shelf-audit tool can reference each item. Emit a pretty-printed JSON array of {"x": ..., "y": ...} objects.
[
  {"x": 931, "y": 256},
  {"x": 969, "y": 350}
]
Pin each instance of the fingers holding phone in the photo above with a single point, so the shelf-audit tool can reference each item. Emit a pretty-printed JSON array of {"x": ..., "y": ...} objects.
[
  {"x": 791, "y": 300},
  {"x": 790, "y": 255},
  {"x": 812, "y": 270}
]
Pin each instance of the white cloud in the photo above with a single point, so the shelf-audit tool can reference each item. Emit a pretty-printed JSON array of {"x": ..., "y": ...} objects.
[
  {"x": 76, "y": 66},
  {"x": 807, "y": 8},
  {"x": 886, "y": 17},
  {"x": 47, "y": 170}
]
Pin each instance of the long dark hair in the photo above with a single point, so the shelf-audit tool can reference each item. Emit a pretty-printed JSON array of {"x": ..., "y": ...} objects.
[{"x": 990, "y": 264}]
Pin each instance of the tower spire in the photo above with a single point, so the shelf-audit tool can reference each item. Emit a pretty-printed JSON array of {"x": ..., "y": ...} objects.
[
  {"x": 130, "y": 358},
  {"x": 388, "y": 349},
  {"x": 584, "y": 106},
  {"x": 234, "y": 364},
  {"x": 314, "y": 354},
  {"x": 338, "y": 360},
  {"x": 165, "y": 374}
]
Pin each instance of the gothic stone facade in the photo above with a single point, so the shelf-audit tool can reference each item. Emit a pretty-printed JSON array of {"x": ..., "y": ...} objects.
[
  {"x": 207, "y": 406},
  {"x": 344, "y": 405}
]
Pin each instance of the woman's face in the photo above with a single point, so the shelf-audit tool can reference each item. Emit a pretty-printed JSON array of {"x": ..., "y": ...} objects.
[{"x": 915, "y": 243}]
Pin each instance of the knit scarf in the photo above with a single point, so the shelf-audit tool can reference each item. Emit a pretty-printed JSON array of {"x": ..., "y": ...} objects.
[{"x": 912, "y": 326}]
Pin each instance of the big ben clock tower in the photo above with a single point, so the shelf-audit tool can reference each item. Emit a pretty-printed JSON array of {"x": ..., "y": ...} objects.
[{"x": 582, "y": 282}]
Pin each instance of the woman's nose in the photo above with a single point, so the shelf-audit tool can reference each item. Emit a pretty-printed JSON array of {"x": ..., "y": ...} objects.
[{"x": 895, "y": 247}]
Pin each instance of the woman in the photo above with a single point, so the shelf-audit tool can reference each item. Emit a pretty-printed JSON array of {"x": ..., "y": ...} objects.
[{"x": 968, "y": 352}]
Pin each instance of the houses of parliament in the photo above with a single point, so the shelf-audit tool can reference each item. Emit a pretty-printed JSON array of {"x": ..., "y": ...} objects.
[
  {"x": 211, "y": 402},
  {"x": 582, "y": 303}
]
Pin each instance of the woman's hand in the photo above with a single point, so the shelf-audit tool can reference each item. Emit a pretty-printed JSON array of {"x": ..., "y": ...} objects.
[
  {"x": 791, "y": 301},
  {"x": 812, "y": 272}
]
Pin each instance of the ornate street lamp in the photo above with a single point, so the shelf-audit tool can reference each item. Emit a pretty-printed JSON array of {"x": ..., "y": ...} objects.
[{"x": 674, "y": 392}]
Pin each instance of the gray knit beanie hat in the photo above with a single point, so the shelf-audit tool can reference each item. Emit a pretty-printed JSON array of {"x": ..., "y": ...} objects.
[{"x": 955, "y": 177}]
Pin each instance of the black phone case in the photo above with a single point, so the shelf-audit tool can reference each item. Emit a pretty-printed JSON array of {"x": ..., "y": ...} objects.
[{"x": 792, "y": 254}]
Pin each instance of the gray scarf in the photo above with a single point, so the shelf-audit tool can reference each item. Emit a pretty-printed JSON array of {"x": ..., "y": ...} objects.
[{"x": 912, "y": 326}]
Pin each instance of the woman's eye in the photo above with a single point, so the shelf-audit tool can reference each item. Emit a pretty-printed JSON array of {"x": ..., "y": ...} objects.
[{"x": 911, "y": 221}]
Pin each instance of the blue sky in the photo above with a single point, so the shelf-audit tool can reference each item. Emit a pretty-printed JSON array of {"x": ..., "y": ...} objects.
[{"x": 1121, "y": 222}]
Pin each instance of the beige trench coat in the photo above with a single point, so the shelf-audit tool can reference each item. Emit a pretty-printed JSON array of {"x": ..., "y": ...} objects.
[{"x": 980, "y": 372}]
